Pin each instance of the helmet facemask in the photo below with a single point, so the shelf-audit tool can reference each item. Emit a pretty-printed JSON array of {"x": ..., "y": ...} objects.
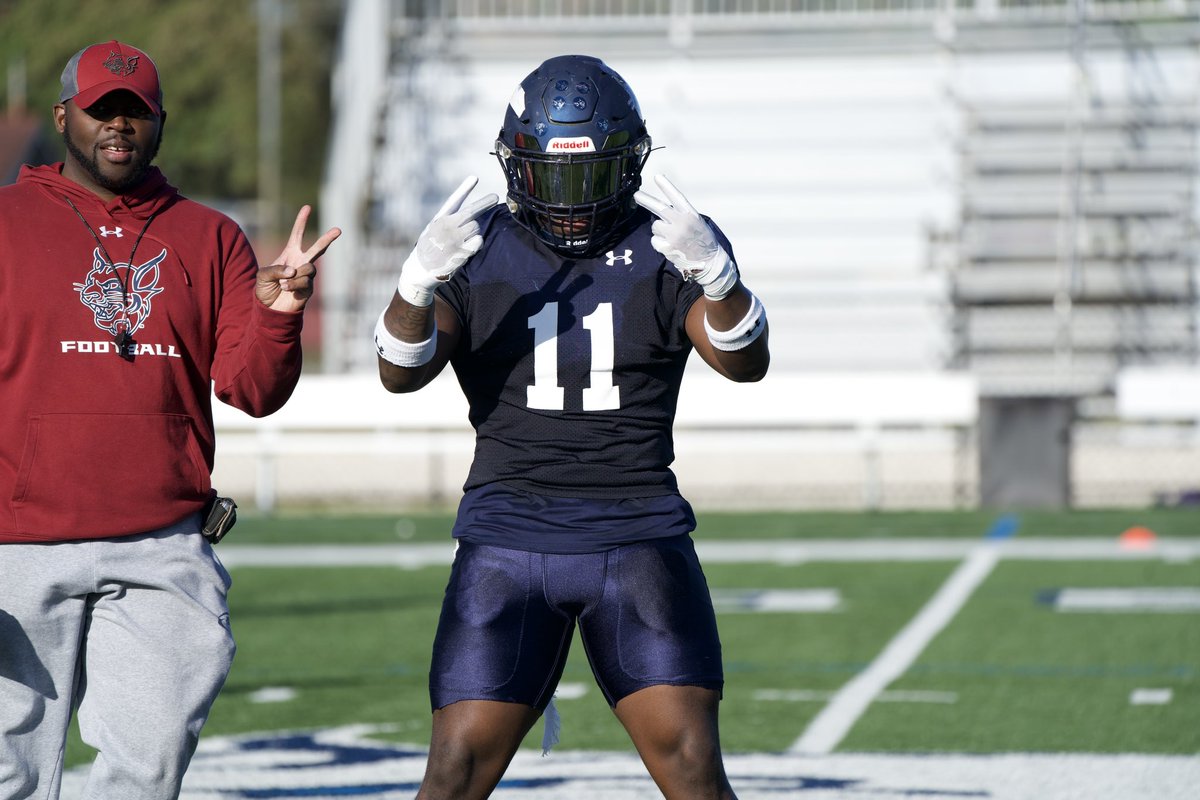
[{"x": 569, "y": 198}]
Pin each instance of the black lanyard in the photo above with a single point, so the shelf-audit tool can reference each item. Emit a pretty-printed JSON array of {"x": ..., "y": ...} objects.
[{"x": 122, "y": 337}]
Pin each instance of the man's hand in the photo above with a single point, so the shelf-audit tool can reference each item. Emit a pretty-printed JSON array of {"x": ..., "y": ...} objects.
[
  {"x": 688, "y": 242},
  {"x": 450, "y": 238},
  {"x": 287, "y": 284}
]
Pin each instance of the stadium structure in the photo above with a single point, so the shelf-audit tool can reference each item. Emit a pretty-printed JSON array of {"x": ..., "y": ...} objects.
[{"x": 973, "y": 223}]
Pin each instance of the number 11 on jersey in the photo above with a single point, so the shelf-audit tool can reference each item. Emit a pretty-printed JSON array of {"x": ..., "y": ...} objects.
[{"x": 545, "y": 393}]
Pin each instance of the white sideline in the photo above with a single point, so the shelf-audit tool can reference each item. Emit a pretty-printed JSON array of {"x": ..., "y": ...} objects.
[
  {"x": 834, "y": 721},
  {"x": 414, "y": 556}
]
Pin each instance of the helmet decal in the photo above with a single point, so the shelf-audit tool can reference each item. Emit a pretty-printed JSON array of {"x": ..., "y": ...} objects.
[{"x": 576, "y": 144}]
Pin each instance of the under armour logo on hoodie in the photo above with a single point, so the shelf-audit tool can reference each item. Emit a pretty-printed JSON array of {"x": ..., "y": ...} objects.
[{"x": 117, "y": 232}]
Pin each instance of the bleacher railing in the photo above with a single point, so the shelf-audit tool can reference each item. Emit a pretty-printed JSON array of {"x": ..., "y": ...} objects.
[{"x": 772, "y": 11}]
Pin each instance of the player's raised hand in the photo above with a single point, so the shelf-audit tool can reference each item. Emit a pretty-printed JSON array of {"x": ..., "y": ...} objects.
[
  {"x": 450, "y": 238},
  {"x": 688, "y": 242},
  {"x": 287, "y": 284}
]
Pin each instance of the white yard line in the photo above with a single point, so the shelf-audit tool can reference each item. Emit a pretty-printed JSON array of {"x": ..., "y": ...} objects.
[{"x": 834, "y": 721}]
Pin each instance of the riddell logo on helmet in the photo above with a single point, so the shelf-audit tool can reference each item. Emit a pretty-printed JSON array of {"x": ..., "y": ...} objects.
[{"x": 581, "y": 144}]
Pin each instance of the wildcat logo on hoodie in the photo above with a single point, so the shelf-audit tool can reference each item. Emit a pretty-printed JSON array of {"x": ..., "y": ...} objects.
[{"x": 120, "y": 297}]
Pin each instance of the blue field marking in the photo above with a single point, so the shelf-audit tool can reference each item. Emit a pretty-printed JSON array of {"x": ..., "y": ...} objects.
[
  {"x": 366, "y": 790},
  {"x": 333, "y": 753},
  {"x": 1005, "y": 527},
  {"x": 348, "y": 762}
]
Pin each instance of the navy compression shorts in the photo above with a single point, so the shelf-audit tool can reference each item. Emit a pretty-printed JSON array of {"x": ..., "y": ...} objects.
[{"x": 644, "y": 613}]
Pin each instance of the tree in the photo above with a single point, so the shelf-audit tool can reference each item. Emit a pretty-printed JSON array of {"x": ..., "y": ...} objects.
[{"x": 206, "y": 52}]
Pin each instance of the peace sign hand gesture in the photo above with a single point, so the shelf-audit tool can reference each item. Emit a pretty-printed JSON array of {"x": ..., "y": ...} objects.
[
  {"x": 450, "y": 238},
  {"x": 688, "y": 242},
  {"x": 287, "y": 284}
]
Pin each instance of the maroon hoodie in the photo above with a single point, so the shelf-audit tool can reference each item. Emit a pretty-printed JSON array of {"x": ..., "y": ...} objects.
[{"x": 98, "y": 440}]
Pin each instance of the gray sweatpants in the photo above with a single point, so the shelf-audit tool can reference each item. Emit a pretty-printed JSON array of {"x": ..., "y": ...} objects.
[{"x": 135, "y": 632}]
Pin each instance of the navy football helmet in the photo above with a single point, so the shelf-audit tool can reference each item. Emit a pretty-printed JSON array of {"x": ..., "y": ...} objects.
[{"x": 572, "y": 147}]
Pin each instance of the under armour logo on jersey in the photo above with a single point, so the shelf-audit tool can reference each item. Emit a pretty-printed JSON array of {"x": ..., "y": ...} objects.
[
  {"x": 611, "y": 258},
  {"x": 117, "y": 232}
]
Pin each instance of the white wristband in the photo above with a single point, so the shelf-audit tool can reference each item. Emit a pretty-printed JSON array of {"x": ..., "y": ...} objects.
[
  {"x": 742, "y": 334},
  {"x": 401, "y": 353}
]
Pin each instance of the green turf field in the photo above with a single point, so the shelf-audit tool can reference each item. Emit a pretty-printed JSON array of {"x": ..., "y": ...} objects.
[{"x": 323, "y": 646}]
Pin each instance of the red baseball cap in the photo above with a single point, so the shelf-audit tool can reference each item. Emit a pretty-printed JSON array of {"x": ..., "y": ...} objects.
[{"x": 99, "y": 69}]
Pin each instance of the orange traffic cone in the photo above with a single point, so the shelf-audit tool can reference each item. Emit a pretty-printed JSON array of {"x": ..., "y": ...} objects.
[{"x": 1138, "y": 538}]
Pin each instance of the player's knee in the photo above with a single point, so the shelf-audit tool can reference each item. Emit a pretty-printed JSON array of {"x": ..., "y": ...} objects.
[
  {"x": 450, "y": 772},
  {"x": 693, "y": 761},
  {"x": 698, "y": 756}
]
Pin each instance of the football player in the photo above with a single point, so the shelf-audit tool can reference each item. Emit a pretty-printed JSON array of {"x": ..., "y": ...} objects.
[{"x": 568, "y": 315}]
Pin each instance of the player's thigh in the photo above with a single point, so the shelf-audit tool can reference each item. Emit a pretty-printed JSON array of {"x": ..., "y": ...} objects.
[
  {"x": 498, "y": 638},
  {"x": 671, "y": 717},
  {"x": 481, "y": 731},
  {"x": 675, "y": 731},
  {"x": 655, "y": 623}
]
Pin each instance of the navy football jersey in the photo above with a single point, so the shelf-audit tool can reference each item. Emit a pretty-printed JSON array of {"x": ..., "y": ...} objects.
[{"x": 571, "y": 366}]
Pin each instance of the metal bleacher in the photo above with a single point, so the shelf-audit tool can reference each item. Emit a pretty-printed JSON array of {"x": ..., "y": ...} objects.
[
  {"x": 1075, "y": 252},
  {"x": 822, "y": 167},
  {"x": 907, "y": 184},
  {"x": 993, "y": 193}
]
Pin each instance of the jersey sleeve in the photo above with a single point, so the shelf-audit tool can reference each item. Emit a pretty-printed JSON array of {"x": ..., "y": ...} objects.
[
  {"x": 258, "y": 355},
  {"x": 456, "y": 291}
]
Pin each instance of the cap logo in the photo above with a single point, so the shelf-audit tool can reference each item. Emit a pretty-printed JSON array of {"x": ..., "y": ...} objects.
[{"x": 118, "y": 64}]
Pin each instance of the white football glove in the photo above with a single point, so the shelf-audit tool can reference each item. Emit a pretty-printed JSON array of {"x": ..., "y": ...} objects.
[
  {"x": 688, "y": 242},
  {"x": 450, "y": 238}
]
